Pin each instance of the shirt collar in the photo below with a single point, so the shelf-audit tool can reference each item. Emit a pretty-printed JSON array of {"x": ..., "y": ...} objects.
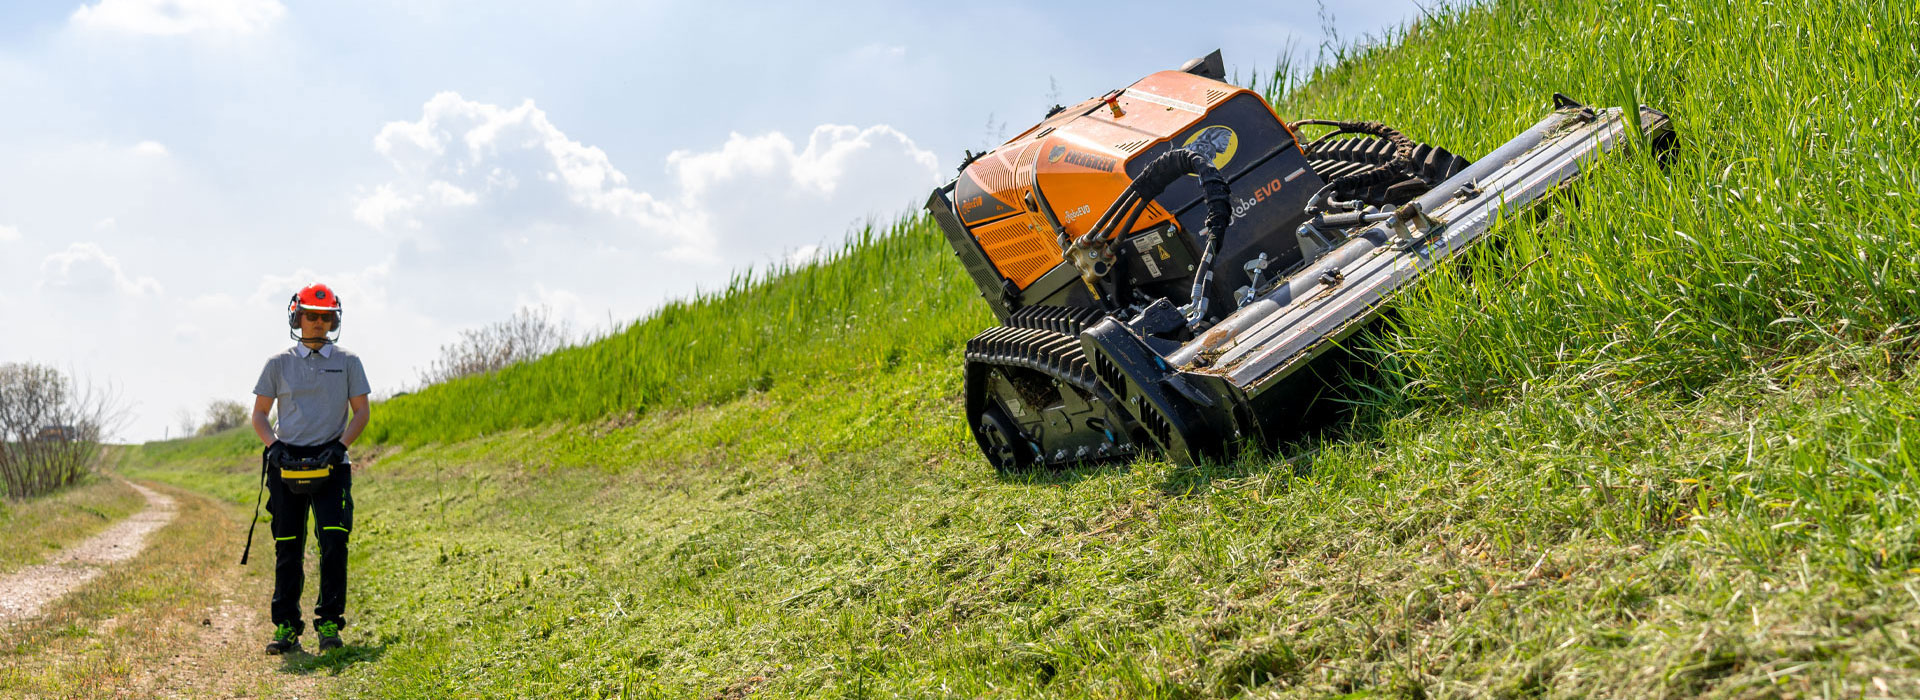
[{"x": 304, "y": 351}]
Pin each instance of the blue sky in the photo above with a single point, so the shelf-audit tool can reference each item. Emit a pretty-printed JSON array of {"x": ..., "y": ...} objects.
[{"x": 171, "y": 170}]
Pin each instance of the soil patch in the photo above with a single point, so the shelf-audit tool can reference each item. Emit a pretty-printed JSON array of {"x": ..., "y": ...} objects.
[{"x": 25, "y": 592}]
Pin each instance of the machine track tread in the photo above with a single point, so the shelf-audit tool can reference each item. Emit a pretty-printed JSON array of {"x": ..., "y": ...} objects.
[
  {"x": 1044, "y": 351},
  {"x": 1054, "y": 354},
  {"x": 1065, "y": 320},
  {"x": 1342, "y": 157}
]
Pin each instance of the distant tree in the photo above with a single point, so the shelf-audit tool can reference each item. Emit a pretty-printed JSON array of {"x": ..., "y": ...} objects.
[
  {"x": 222, "y": 414},
  {"x": 185, "y": 421},
  {"x": 50, "y": 429},
  {"x": 530, "y": 333}
]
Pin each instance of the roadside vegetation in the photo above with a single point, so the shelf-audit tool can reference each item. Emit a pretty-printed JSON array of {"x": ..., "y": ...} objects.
[
  {"x": 35, "y": 528},
  {"x": 529, "y": 334},
  {"x": 220, "y": 415},
  {"x": 1661, "y": 444},
  {"x": 50, "y": 429},
  {"x": 177, "y": 621}
]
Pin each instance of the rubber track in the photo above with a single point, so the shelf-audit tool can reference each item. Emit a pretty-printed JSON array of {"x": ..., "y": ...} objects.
[
  {"x": 1054, "y": 354},
  {"x": 1065, "y": 320},
  {"x": 1342, "y": 157}
]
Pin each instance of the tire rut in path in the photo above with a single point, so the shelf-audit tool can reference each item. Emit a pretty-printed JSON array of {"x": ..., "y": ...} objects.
[{"x": 25, "y": 592}]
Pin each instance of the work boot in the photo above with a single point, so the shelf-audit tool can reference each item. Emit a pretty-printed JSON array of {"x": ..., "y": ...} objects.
[
  {"x": 329, "y": 636},
  {"x": 285, "y": 639}
]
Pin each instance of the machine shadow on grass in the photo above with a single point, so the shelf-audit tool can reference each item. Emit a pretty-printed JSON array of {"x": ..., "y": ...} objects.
[
  {"x": 1338, "y": 424},
  {"x": 1296, "y": 458},
  {"x": 1064, "y": 476},
  {"x": 1354, "y": 399},
  {"x": 333, "y": 662}
]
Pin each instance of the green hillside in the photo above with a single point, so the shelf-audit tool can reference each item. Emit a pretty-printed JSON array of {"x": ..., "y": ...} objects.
[
  {"x": 1661, "y": 444},
  {"x": 886, "y": 297}
]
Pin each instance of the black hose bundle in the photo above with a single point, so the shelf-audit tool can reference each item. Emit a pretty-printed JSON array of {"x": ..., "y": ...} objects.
[
  {"x": 1348, "y": 186},
  {"x": 1154, "y": 179},
  {"x": 1164, "y": 170}
]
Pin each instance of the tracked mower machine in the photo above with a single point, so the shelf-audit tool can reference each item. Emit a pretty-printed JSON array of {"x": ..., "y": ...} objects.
[{"x": 1170, "y": 263}]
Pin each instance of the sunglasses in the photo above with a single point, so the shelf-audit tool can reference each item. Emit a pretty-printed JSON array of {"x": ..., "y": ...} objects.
[{"x": 319, "y": 316}]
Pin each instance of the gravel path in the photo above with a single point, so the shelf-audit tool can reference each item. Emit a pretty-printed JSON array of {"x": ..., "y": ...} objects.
[{"x": 23, "y": 593}]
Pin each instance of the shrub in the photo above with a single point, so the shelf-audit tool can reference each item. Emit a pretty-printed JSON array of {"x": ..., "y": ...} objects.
[
  {"x": 529, "y": 334},
  {"x": 50, "y": 429},
  {"x": 222, "y": 415}
]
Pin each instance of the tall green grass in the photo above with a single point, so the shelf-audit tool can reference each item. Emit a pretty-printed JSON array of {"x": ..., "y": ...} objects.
[
  {"x": 1789, "y": 220},
  {"x": 884, "y": 297}
]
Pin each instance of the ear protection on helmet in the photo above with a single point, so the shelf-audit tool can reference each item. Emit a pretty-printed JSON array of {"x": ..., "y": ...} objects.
[{"x": 315, "y": 297}]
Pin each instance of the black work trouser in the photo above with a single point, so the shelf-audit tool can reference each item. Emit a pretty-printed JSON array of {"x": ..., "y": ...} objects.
[{"x": 332, "y": 507}]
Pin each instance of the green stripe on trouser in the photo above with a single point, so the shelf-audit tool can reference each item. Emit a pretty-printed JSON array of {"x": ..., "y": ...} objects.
[{"x": 330, "y": 527}]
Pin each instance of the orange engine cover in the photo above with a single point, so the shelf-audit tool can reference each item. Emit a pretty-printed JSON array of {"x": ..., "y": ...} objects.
[{"x": 1082, "y": 157}]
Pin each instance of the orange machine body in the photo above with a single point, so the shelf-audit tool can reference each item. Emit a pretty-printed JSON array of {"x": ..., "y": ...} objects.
[{"x": 1072, "y": 165}]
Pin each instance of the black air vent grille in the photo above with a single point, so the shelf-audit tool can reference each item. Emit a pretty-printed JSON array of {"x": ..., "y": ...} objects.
[
  {"x": 1110, "y": 375},
  {"x": 1156, "y": 423}
]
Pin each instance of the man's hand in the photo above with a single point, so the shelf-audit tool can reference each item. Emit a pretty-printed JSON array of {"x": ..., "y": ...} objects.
[
  {"x": 275, "y": 451},
  {"x": 336, "y": 453}
]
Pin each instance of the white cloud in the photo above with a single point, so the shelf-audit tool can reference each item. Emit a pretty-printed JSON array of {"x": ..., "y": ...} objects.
[
  {"x": 176, "y": 17},
  {"x": 489, "y": 208},
  {"x": 804, "y": 254},
  {"x": 831, "y": 150},
  {"x": 9, "y": 233},
  {"x": 152, "y": 149},
  {"x": 84, "y": 268},
  {"x": 450, "y": 195},
  {"x": 383, "y": 203},
  {"x": 510, "y": 146},
  {"x": 750, "y": 200}
]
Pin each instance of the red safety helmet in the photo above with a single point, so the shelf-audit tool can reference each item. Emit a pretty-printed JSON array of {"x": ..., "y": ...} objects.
[{"x": 314, "y": 297}]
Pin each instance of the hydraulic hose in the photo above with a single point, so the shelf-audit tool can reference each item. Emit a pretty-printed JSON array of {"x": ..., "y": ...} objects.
[
  {"x": 1402, "y": 157},
  {"x": 1153, "y": 180}
]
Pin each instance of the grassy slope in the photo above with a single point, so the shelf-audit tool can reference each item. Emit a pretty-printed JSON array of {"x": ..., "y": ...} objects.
[
  {"x": 1664, "y": 446},
  {"x": 881, "y": 300}
]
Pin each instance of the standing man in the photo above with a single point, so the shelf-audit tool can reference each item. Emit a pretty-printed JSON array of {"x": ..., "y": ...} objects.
[{"x": 315, "y": 383}]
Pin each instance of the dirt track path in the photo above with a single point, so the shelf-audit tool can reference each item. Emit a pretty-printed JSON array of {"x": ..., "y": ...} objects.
[
  {"x": 153, "y": 607},
  {"x": 213, "y": 646},
  {"x": 24, "y": 592},
  {"x": 221, "y": 658}
]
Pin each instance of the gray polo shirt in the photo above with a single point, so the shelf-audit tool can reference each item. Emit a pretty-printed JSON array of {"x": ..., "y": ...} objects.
[{"x": 312, "y": 388}]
